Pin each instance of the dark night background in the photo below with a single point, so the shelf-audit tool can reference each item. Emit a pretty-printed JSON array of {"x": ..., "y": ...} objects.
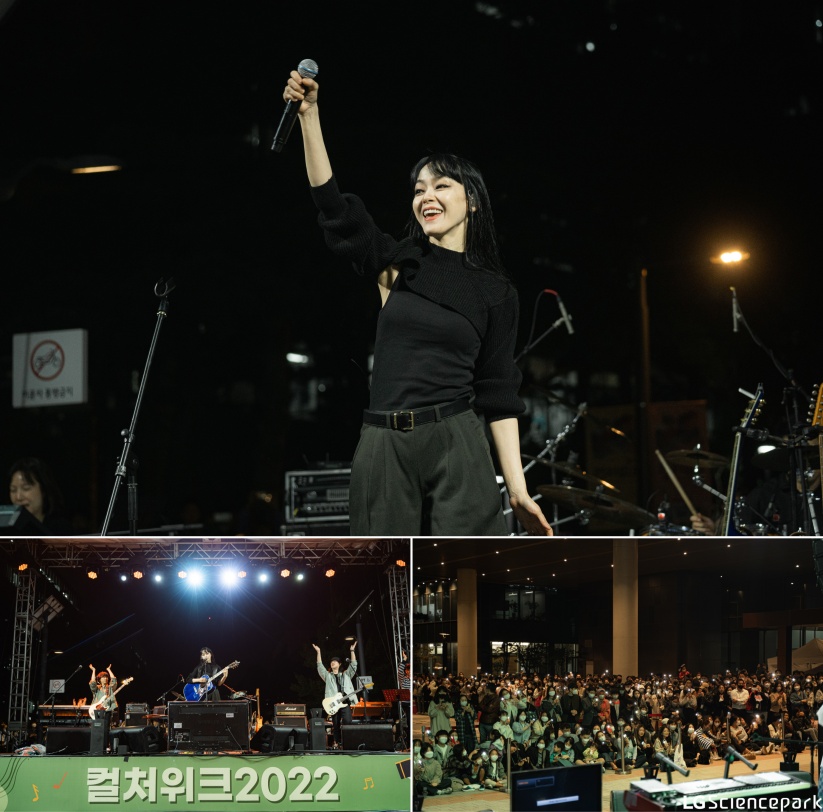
[{"x": 688, "y": 129}]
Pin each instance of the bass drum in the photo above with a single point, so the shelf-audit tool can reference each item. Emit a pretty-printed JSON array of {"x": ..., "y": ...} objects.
[{"x": 666, "y": 529}]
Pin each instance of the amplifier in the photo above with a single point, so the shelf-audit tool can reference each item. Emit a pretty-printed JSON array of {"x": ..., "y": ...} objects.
[
  {"x": 317, "y": 496},
  {"x": 290, "y": 710},
  {"x": 139, "y": 707}
]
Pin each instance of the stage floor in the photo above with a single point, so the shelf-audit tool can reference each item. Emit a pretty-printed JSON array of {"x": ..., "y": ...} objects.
[{"x": 336, "y": 780}]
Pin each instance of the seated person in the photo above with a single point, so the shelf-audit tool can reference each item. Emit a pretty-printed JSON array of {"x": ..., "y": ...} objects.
[
  {"x": 495, "y": 771},
  {"x": 428, "y": 774}
]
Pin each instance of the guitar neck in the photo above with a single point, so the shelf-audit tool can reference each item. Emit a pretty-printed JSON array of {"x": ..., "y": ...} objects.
[{"x": 727, "y": 522}]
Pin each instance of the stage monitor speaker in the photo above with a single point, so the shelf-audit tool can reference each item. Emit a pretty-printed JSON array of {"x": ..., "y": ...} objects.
[
  {"x": 280, "y": 739},
  {"x": 67, "y": 740},
  {"x": 317, "y": 733},
  {"x": 99, "y": 742},
  {"x": 209, "y": 725},
  {"x": 144, "y": 740},
  {"x": 372, "y": 736}
]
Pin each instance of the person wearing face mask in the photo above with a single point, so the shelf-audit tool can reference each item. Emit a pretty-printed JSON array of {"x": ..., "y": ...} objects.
[
  {"x": 585, "y": 751},
  {"x": 540, "y": 726},
  {"x": 572, "y": 705},
  {"x": 442, "y": 748},
  {"x": 588, "y": 707},
  {"x": 511, "y": 702},
  {"x": 739, "y": 696},
  {"x": 477, "y": 773},
  {"x": 502, "y": 727},
  {"x": 551, "y": 705},
  {"x": 464, "y": 717},
  {"x": 495, "y": 771},
  {"x": 441, "y": 710},
  {"x": 539, "y": 753},
  {"x": 428, "y": 774},
  {"x": 489, "y": 713},
  {"x": 521, "y": 729},
  {"x": 459, "y": 766}
]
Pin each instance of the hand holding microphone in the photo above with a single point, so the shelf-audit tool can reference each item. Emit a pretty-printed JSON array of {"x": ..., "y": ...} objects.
[{"x": 300, "y": 96}]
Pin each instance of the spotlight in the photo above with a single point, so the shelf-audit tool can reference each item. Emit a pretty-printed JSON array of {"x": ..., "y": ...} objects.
[
  {"x": 329, "y": 573},
  {"x": 400, "y": 562},
  {"x": 137, "y": 573},
  {"x": 93, "y": 573},
  {"x": 123, "y": 576},
  {"x": 300, "y": 576},
  {"x": 285, "y": 572},
  {"x": 157, "y": 577},
  {"x": 229, "y": 576},
  {"x": 263, "y": 577},
  {"x": 196, "y": 578},
  {"x": 22, "y": 567}
]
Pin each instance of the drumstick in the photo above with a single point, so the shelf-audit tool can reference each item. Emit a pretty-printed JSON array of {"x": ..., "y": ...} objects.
[{"x": 667, "y": 468}]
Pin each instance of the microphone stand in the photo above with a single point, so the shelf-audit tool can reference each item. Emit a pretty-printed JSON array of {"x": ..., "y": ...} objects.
[
  {"x": 731, "y": 755},
  {"x": 162, "y": 697},
  {"x": 128, "y": 464}
]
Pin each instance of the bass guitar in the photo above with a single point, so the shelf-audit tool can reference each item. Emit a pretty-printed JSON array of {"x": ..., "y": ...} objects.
[
  {"x": 195, "y": 691},
  {"x": 727, "y": 526},
  {"x": 98, "y": 709},
  {"x": 332, "y": 704}
]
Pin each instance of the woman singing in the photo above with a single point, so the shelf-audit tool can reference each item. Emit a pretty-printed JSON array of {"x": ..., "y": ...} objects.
[{"x": 444, "y": 347}]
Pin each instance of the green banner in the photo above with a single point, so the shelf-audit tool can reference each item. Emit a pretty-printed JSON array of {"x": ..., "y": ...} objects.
[{"x": 345, "y": 783}]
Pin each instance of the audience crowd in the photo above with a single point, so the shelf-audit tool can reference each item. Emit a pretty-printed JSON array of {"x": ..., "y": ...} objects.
[{"x": 481, "y": 728}]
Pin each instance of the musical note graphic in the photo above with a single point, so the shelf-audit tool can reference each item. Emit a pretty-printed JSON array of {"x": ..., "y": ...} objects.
[
  {"x": 367, "y": 783},
  {"x": 36, "y": 793},
  {"x": 57, "y": 786}
]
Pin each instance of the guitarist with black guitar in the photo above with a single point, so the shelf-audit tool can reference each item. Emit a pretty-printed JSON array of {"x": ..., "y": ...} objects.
[
  {"x": 338, "y": 682},
  {"x": 203, "y": 673}
]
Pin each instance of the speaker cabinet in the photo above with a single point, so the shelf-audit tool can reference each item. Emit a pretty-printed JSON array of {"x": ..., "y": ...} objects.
[
  {"x": 146, "y": 739},
  {"x": 67, "y": 740},
  {"x": 280, "y": 739},
  {"x": 209, "y": 725},
  {"x": 99, "y": 742},
  {"x": 372, "y": 736},
  {"x": 317, "y": 732}
]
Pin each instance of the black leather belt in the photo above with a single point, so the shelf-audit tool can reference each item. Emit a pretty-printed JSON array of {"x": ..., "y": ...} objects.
[{"x": 407, "y": 420}]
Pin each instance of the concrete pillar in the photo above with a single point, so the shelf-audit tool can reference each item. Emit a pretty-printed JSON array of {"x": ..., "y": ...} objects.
[
  {"x": 624, "y": 606},
  {"x": 467, "y": 621}
]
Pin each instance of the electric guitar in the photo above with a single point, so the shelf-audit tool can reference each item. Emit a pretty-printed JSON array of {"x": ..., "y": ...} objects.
[
  {"x": 108, "y": 703},
  {"x": 195, "y": 691},
  {"x": 727, "y": 525},
  {"x": 332, "y": 704}
]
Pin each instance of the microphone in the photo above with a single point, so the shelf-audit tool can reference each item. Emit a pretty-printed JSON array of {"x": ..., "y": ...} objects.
[
  {"x": 567, "y": 319},
  {"x": 735, "y": 755},
  {"x": 308, "y": 69},
  {"x": 669, "y": 763},
  {"x": 735, "y": 310}
]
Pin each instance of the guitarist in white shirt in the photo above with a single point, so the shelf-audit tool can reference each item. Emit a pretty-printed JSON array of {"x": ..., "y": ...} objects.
[
  {"x": 206, "y": 669},
  {"x": 103, "y": 687},
  {"x": 338, "y": 681}
]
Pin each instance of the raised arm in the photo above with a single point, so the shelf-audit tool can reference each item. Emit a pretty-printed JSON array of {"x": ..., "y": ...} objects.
[{"x": 303, "y": 91}]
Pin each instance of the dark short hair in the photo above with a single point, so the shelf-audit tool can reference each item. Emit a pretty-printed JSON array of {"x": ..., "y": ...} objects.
[{"x": 337, "y": 659}]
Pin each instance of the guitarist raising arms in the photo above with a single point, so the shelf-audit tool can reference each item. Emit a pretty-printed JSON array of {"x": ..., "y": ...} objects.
[
  {"x": 206, "y": 669},
  {"x": 338, "y": 681},
  {"x": 103, "y": 687}
]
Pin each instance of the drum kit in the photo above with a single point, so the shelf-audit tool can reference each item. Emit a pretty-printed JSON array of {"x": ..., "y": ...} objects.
[{"x": 595, "y": 504}]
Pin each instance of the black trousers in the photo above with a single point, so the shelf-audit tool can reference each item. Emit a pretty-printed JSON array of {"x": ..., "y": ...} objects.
[
  {"x": 342, "y": 717},
  {"x": 436, "y": 480}
]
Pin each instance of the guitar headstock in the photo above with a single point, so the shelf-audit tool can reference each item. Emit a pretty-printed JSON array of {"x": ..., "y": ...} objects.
[
  {"x": 126, "y": 681},
  {"x": 234, "y": 664},
  {"x": 752, "y": 413},
  {"x": 816, "y": 406}
]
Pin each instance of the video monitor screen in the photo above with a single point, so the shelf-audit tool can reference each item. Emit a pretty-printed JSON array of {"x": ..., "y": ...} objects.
[{"x": 577, "y": 788}]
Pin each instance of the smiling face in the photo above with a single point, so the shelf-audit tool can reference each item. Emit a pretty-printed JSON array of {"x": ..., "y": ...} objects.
[
  {"x": 441, "y": 208},
  {"x": 28, "y": 493}
]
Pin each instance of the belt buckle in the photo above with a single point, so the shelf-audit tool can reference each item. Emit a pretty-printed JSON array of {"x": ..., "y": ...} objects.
[{"x": 409, "y": 420}]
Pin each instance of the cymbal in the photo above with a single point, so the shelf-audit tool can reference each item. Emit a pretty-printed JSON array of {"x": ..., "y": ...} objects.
[
  {"x": 572, "y": 470},
  {"x": 703, "y": 459},
  {"x": 599, "y": 505}
]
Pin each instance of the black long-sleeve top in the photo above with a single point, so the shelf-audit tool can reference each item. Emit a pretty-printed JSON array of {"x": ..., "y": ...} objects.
[{"x": 447, "y": 330}]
